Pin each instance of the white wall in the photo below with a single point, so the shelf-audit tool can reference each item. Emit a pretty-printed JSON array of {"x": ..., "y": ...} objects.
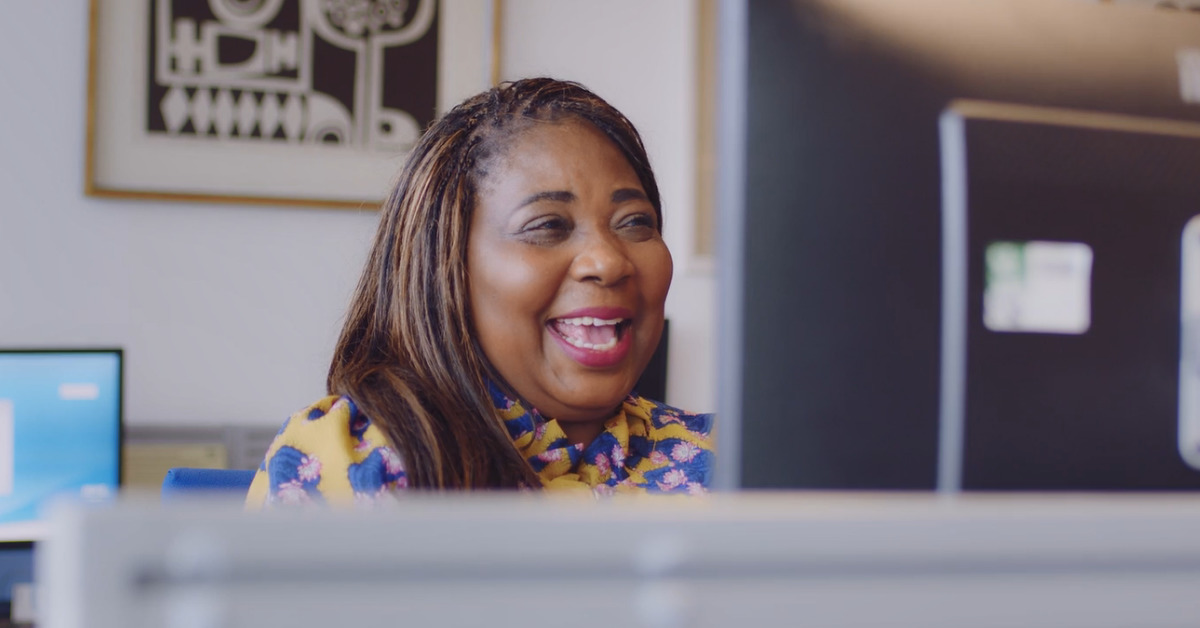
[{"x": 228, "y": 314}]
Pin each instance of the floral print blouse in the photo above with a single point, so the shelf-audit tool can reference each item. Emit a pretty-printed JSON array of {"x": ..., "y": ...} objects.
[{"x": 330, "y": 452}]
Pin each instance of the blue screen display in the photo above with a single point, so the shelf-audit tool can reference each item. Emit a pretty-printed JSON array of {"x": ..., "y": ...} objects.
[{"x": 60, "y": 428}]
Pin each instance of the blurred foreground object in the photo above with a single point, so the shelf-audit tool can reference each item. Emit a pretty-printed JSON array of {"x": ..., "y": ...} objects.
[{"x": 783, "y": 559}]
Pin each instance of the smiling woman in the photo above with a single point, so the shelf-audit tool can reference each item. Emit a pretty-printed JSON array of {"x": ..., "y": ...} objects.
[{"x": 512, "y": 298}]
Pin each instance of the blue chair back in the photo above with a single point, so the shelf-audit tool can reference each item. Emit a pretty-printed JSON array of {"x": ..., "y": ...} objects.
[{"x": 184, "y": 481}]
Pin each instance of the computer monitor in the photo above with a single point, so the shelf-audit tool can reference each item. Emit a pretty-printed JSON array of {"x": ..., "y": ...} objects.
[
  {"x": 60, "y": 432},
  {"x": 857, "y": 350}
]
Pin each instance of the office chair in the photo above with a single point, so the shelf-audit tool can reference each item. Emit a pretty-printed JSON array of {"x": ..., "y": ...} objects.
[{"x": 184, "y": 481}]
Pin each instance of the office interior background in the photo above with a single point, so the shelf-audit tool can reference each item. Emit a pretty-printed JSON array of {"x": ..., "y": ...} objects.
[{"x": 228, "y": 313}]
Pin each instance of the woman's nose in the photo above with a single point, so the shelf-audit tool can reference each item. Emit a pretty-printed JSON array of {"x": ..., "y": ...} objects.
[{"x": 603, "y": 259}]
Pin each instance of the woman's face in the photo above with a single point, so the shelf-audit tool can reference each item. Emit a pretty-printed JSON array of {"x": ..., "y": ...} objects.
[{"x": 568, "y": 273}]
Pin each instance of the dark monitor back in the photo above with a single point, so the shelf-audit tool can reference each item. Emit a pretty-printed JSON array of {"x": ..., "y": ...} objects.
[
  {"x": 1066, "y": 234},
  {"x": 840, "y": 273}
]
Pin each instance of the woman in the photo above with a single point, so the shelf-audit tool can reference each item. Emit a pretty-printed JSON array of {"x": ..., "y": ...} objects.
[{"x": 513, "y": 295}]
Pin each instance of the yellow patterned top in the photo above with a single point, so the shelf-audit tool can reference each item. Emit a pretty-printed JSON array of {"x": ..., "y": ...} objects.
[{"x": 330, "y": 452}]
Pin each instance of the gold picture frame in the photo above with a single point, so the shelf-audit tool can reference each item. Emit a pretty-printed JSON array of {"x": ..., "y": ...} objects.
[
  {"x": 174, "y": 114},
  {"x": 703, "y": 229}
]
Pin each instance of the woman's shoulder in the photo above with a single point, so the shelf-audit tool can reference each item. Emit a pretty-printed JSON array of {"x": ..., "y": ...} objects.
[
  {"x": 328, "y": 451},
  {"x": 330, "y": 420},
  {"x": 329, "y": 413}
]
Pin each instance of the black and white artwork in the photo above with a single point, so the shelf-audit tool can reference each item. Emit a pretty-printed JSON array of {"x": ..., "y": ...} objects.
[
  {"x": 293, "y": 100},
  {"x": 358, "y": 74}
]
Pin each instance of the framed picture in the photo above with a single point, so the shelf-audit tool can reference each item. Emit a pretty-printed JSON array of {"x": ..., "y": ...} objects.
[
  {"x": 291, "y": 102},
  {"x": 704, "y": 232}
]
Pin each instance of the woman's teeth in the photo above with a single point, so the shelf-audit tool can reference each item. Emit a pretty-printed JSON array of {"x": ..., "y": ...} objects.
[
  {"x": 612, "y": 342},
  {"x": 588, "y": 329},
  {"x": 588, "y": 320}
]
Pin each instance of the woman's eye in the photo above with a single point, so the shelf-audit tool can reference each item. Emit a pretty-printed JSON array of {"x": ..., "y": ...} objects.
[
  {"x": 552, "y": 223},
  {"x": 549, "y": 228},
  {"x": 640, "y": 223}
]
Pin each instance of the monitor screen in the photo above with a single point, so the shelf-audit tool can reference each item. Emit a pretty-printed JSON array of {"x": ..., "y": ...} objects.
[
  {"x": 838, "y": 344},
  {"x": 60, "y": 432}
]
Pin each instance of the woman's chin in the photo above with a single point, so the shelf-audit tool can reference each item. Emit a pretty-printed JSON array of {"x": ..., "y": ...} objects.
[{"x": 593, "y": 407}]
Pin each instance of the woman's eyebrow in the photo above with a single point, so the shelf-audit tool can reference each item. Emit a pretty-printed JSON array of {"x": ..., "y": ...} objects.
[
  {"x": 557, "y": 196},
  {"x": 629, "y": 194}
]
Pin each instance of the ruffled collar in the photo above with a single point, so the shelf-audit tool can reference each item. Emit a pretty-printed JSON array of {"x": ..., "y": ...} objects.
[{"x": 606, "y": 465}]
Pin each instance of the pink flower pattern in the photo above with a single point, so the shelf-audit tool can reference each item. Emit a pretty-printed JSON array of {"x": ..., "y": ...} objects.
[
  {"x": 602, "y": 465},
  {"x": 684, "y": 452},
  {"x": 365, "y": 501},
  {"x": 673, "y": 479},
  {"x": 309, "y": 469},
  {"x": 618, "y": 456},
  {"x": 551, "y": 455},
  {"x": 372, "y": 500},
  {"x": 291, "y": 494}
]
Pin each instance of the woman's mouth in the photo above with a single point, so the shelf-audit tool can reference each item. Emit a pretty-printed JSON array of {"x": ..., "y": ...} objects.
[
  {"x": 593, "y": 341},
  {"x": 586, "y": 332}
]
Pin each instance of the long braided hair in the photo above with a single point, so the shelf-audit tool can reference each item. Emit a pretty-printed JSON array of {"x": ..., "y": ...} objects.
[{"x": 407, "y": 354}]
